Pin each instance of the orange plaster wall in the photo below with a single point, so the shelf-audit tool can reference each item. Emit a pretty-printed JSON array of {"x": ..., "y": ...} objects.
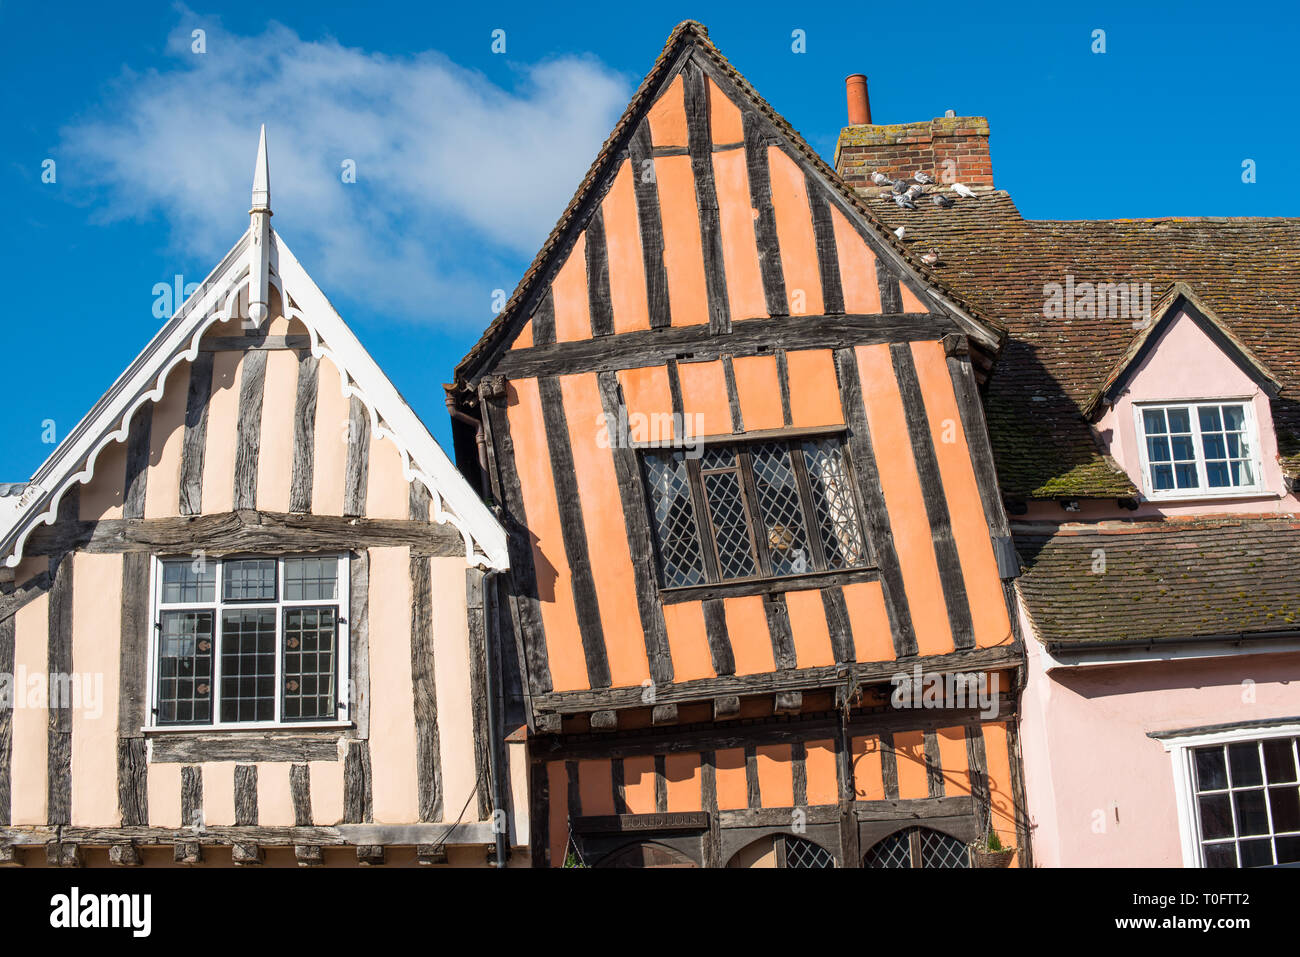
[
  {"x": 953, "y": 761},
  {"x": 857, "y": 268},
  {"x": 775, "y": 775},
  {"x": 704, "y": 398},
  {"x": 569, "y": 291},
  {"x": 388, "y": 494},
  {"x": 910, "y": 302},
  {"x": 554, "y": 584},
  {"x": 823, "y": 778},
  {"x": 970, "y": 530},
  {"x": 602, "y": 515},
  {"x": 596, "y": 787},
  {"x": 812, "y": 636},
  {"x": 667, "y": 115},
  {"x": 751, "y": 642},
  {"x": 688, "y": 641},
  {"x": 688, "y": 299},
  {"x": 639, "y": 784},
  {"x": 627, "y": 289},
  {"x": 872, "y": 636},
  {"x": 903, "y": 500},
  {"x": 909, "y": 748},
  {"x": 868, "y": 771},
  {"x": 683, "y": 776},
  {"x": 733, "y": 791},
  {"x": 999, "y": 768},
  {"x": 739, "y": 245},
  {"x": 394, "y": 784},
  {"x": 525, "y": 338},
  {"x": 759, "y": 390},
  {"x": 724, "y": 118},
  {"x": 795, "y": 236},
  {"x": 649, "y": 402},
  {"x": 814, "y": 389}
]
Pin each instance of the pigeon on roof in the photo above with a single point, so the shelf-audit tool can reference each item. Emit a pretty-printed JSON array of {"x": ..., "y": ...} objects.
[
  {"x": 899, "y": 231},
  {"x": 963, "y": 191},
  {"x": 924, "y": 178},
  {"x": 904, "y": 201},
  {"x": 879, "y": 178},
  {"x": 915, "y": 190},
  {"x": 931, "y": 257},
  {"x": 900, "y": 185},
  {"x": 943, "y": 202}
]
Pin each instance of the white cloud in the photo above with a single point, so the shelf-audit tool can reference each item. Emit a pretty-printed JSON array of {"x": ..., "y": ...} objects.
[{"x": 458, "y": 179}]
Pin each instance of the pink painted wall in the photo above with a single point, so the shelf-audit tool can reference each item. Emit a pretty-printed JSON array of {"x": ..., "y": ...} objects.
[
  {"x": 1186, "y": 364},
  {"x": 1101, "y": 793}
]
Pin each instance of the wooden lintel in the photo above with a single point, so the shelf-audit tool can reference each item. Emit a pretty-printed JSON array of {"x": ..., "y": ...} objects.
[
  {"x": 726, "y": 706},
  {"x": 63, "y": 855},
  {"x": 547, "y": 723},
  {"x": 188, "y": 852},
  {"x": 604, "y": 721}
]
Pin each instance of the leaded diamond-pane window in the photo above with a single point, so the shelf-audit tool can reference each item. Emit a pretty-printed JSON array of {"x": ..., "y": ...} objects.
[
  {"x": 754, "y": 510},
  {"x": 803, "y": 853},
  {"x": 244, "y": 641},
  {"x": 918, "y": 847}
]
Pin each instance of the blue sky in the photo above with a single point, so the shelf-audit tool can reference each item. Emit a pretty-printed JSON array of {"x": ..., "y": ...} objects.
[{"x": 465, "y": 157}]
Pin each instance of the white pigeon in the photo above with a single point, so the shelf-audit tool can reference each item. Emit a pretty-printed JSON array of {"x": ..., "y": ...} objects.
[
  {"x": 925, "y": 178},
  {"x": 915, "y": 190},
  {"x": 899, "y": 232},
  {"x": 879, "y": 178},
  {"x": 963, "y": 191},
  {"x": 931, "y": 257}
]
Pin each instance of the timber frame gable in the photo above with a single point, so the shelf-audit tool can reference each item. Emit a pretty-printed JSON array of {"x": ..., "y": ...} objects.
[
  {"x": 690, "y": 55},
  {"x": 221, "y": 298}
]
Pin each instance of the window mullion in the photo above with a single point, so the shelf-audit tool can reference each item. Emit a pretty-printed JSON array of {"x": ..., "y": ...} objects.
[
  {"x": 218, "y": 637},
  {"x": 276, "y": 693},
  {"x": 816, "y": 544},
  {"x": 703, "y": 521},
  {"x": 749, "y": 501},
  {"x": 1198, "y": 447}
]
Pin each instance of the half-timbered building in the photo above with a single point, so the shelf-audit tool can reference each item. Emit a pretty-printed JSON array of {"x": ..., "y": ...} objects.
[
  {"x": 757, "y": 551},
  {"x": 1147, "y": 441},
  {"x": 243, "y": 610}
]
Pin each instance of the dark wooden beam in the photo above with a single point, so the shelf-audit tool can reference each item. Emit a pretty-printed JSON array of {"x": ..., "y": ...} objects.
[
  {"x": 246, "y": 794},
  {"x": 715, "y": 630},
  {"x": 358, "y": 807},
  {"x": 224, "y": 533},
  {"x": 248, "y": 438},
  {"x": 649, "y": 347},
  {"x": 423, "y": 679},
  {"x": 60, "y": 666},
  {"x": 304, "y": 434},
  {"x": 544, "y": 320},
  {"x": 253, "y": 344},
  {"x": 7, "y": 642},
  {"x": 760, "y": 197},
  {"x": 828, "y": 259},
  {"x": 357, "y": 472},
  {"x": 137, "y": 463},
  {"x": 700, "y": 143},
  {"x": 245, "y": 746},
  {"x": 196, "y": 432},
  {"x": 646, "y": 186},
  {"x": 132, "y": 706},
  {"x": 598, "y": 298},
  {"x": 300, "y": 791}
]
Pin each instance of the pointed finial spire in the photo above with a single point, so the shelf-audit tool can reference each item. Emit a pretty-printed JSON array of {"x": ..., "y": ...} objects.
[
  {"x": 260, "y": 240},
  {"x": 262, "y": 177}
]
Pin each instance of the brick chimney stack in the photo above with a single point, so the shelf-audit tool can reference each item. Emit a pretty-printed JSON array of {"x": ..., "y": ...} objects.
[{"x": 952, "y": 149}]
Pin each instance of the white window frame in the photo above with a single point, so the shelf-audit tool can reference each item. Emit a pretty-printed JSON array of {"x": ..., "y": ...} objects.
[
  {"x": 1180, "y": 752},
  {"x": 1203, "y": 489},
  {"x": 343, "y": 673}
]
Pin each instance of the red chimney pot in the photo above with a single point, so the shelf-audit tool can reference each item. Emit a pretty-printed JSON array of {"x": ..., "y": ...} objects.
[{"x": 855, "y": 87}]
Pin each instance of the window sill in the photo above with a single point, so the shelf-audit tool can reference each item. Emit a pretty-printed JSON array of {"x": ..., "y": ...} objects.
[
  {"x": 1199, "y": 495},
  {"x": 765, "y": 586},
  {"x": 277, "y": 743},
  {"x": 262, "y": 726}
]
